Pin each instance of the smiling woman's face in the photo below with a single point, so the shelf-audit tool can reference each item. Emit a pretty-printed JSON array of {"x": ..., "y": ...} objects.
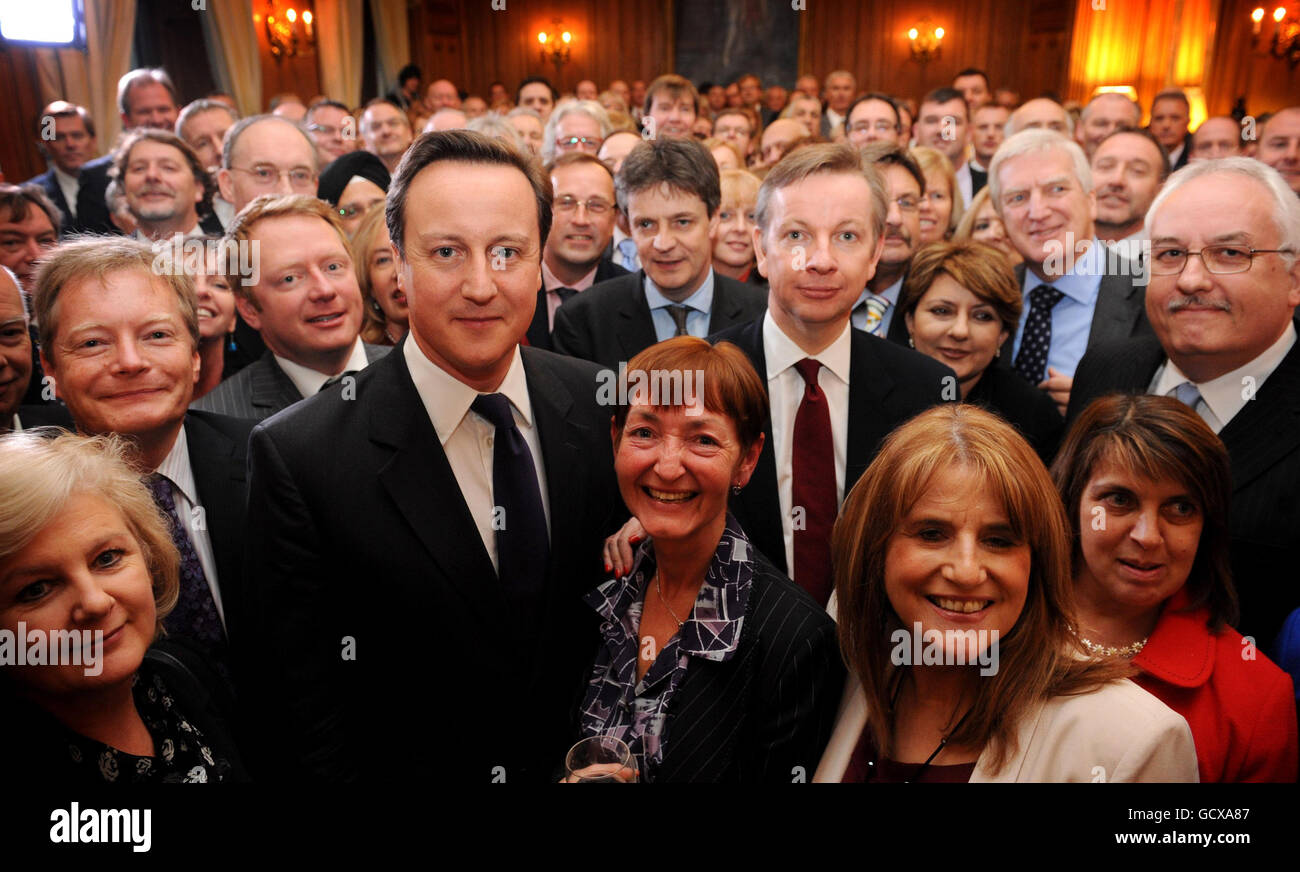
[
  {"x": 83, "y": 572},
  {"x": 674, "y": 469}
]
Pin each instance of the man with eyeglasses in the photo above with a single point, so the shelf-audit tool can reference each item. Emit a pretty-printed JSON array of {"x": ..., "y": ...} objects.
[
  {"x": 1225, "y": 282},
  {"x": 904, "y": 187},
  {"x": 578, "y": 125},
  {"x": 386, "y": 131},
  {"x": 1077, "y": 292},
  {"x": 582, "y": 226},
  {"x": 873, "y": 118},
  {"x": 266, "y": 154},
  {"x": 333, "y": 129},
  {"x": 736, "y": 126}
]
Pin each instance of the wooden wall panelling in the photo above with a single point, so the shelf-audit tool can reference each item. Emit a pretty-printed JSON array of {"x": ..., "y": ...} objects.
[{"x": 20, "y": 159}]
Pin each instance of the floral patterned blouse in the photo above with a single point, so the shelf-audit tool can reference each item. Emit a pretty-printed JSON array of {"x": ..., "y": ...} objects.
[
  {"x": 639, "y": 712},
  {"x": 184, "y": 755}
]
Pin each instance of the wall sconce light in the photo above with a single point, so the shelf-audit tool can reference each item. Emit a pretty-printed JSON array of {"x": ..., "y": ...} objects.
[
  {"x": 926, "y": 41},
  {"x": 555, "y": 46},
  {"x": 1285, "y": 41},
  {"x": 290, "y": 34}
]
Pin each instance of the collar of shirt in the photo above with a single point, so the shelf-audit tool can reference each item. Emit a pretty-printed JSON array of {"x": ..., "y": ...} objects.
[
  {"x": 550, "y": 282},
  {"x": 176, "y": 469},
  {"x": 309, "y": 381},
  {"x": 70, "y": 185},
  {"x": 975, "y": 166},
  {"x": 889, "y": 294},
  {"x": 447, "y": 399},
  {"x": 712, "y": 630},
  {"x": 1223, "y": 395},
  {"x": 700, "y": 301},
  {"x": 833, "y": 117},
  {"x": 782, "y": 352},
  {"x": 1176, "y": 153},
  {"x": 1083, "y": 282}
]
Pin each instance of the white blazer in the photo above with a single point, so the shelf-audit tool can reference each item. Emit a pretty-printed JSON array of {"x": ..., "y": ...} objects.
[{"x": 1118, "y": 732}]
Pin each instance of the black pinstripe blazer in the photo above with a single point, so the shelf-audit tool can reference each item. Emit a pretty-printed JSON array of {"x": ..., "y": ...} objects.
[
  {"x": 261, "y": 389},
  {"x": 1263, "y": 442},
  {"x": 764, "y": 715}
]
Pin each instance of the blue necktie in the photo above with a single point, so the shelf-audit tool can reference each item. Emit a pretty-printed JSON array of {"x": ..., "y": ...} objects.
[
  {"x": 1188, "y": 394},
  {"x": 627, "y": 248},
  {"x": 1031, "y": 361}
]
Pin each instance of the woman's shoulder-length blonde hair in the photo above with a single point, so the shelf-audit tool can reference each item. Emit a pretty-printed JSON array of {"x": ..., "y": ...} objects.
[
  {"x": 1039, "y": 658},
  {"x": 369, "y": 237},
  {"x": 39, "y": 475}
]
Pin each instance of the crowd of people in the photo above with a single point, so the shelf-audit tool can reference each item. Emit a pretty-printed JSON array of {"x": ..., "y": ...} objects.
[{"x": 779, "y": 435}]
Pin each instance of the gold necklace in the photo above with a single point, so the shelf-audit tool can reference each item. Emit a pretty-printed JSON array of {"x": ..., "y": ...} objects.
[
  {"x": 1111, "y": 651},
  {"x": 659, "y": 587}
]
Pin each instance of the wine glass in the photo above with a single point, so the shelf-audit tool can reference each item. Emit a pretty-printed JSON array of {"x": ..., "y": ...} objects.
[{"x": 600, "y": 760}]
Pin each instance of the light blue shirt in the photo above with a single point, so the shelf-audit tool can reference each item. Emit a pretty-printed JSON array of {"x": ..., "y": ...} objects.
[
  {"x": 859, "y": 316},
  {"x": 697, "y": 319},
  {"x": 1072, "y": 316}
]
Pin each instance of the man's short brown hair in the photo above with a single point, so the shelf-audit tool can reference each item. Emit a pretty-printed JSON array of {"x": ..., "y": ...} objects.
[
  {"x": 574, "y": 158},
  {"x": 462, "y": 146},
  {"x": 277, "y": 206},
  {"x": 16, "y": 200},
  {"x": 683, "y": 165},
  {"x": 822, "y": 158},
  {"x": 674, "y": 86},
  {"x": 205, "y": 180},
  {"x": 94, "y": 257}
]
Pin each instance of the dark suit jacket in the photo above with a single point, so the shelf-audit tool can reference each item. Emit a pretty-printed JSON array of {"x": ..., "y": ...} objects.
[
  {"x": 45, "y": 415},
  {"x": 50, "y": 184},
  {"x": 539, "y": 331},
  {"x": 92, "y": 208},
  {"x": 261, "y": 389},
  {"x": 218, "y": 447},
  {"x": 1120, "y": 311},
  {"x": 1263, "y": 442},
  {"x": 358, "y": 530},
  {"x": 611, "y": 322},
  {"x": 766, "y": 713},
  {"x": 1032, "y": 412},
  {"x": 887, "y": 386}
]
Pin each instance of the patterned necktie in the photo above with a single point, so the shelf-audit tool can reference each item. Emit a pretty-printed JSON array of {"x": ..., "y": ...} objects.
[
  {"x": 627, "y": 248},
  {"x": 813, "y": 487},
  {"x": 522, "y": 542},
  {"x": 875, "y": 308},
  {"x": 195, "y": 615},
  {"x": 1187, "y": 394},
  {"x": 679, "y": 318},
  {"x": 1031, "y": 362}
]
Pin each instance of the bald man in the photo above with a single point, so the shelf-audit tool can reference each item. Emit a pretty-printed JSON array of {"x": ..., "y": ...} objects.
[
  {"x": 1216, "y": 137},
  {"x": 1279, "y": 145},
  {"x": 1041, "y": 112},
  {"x": 1104, "y": 114},
  {"x": 780, "y": 136}
]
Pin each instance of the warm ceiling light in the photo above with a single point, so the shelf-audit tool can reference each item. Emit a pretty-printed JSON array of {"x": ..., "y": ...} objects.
[
  {"x": 291, "y": 15},
  {"x": 566, "y": 36},
  {"x": 938, "y": 33},
  {"x": 1258, "y": 15},
  {"x": 541, "y": 37},
  {"x": 306, "y": 17},
  {"x": 1279, "y": 13},
  {"x": 913, "y": 33}
]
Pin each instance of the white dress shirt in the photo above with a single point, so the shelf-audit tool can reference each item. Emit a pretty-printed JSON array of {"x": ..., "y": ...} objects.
[
  {"x": 785, "y": 389},
  {"x": 1222, "y": 398},
  {"x": 224, "y": 211},
  {"x": 69, "y": 185},
  {"x": 965, "y": 183},
  {"x": 185, "y": 493},
  {"x": 309, "y": 381},
  {"x": 467, "y": 438}
]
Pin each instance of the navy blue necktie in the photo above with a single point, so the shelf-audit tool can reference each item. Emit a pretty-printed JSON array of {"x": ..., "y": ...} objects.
[
  {"x": 195, "y": 615},
  {"x": 520, "y": 522},
  {"x": 1031, "y": 361}
]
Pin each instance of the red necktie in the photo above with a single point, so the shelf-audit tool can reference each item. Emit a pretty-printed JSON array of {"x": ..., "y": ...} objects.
[{"x": 814, "y": 487}]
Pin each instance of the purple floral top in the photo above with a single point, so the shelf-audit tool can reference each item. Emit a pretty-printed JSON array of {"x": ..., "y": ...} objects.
[{"x": 638, "y": 712}]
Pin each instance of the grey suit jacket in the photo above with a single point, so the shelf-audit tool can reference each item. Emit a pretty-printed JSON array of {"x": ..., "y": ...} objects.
[
  {"x": 261, "y": 389},
  {"x": 1121, "y": 306}
]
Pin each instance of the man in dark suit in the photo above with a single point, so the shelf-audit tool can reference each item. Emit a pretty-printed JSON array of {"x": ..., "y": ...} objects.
[
  {"x": 904, "y": 188},
  {"x": 1225, "y": 344},
  {"x": 1170, "y": 114},
  {"x": 305, "y": 302},
  {"x": 146, "y": 98},
  {"x": 120, "y": 340},
  {"x": 670, "y": 192},
  {"x": 576, "y": 255},
  {"x": 863, "y": 388},
  {"x": 17, "y": 366},
  {"x": 1077, "y": 292},
  {"x": 66, "y": 137},
  {"x": 448, "y": 517}
]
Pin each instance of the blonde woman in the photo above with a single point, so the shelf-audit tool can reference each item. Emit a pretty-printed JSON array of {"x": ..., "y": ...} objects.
[
  {"x": 733, "y": 240},
  {"x": 982, "y": 223},
  {"x": 386, "y": 316},
  {"x": 941, "y": 204}
]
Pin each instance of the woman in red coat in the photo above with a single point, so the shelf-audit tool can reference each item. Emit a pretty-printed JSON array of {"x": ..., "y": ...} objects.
[{"x": 1147, "y": 484}]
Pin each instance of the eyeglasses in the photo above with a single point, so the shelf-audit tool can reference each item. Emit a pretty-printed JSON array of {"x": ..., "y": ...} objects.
[
  {"x": 1217, "y": 259},
  {"x": 878, "y": 126},
  {"x": 587, "y": 143},
  {"x": 266, "y": 175},
  {"x": 594, "y": 207}
]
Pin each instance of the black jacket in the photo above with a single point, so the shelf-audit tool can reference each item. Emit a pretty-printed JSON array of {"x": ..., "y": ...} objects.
[{"x": 539, "y": 331}]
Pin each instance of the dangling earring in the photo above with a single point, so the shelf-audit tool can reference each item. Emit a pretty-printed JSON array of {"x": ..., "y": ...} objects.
[
  {"x": 910, "y": 343},
  {"x": 735, "y": 489},
  {"x": 230, "y": 341}
]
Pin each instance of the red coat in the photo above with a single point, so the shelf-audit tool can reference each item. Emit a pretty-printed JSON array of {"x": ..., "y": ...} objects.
[{"x": 1242, "y": 712}]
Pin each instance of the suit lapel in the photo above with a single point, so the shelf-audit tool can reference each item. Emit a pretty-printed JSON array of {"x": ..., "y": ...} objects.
[
  {"x": 1119, "y": 304},
  {"x": 1268, "y": 426},
  {"x": 420, "y": 481},
  {"x": 869, "y": 385},
  {"x": 219, "y": 476},
  {"x": 269, "y": 387},
  {"x": 539, "y": 333},
  {"x": 634, "y": 325},
  {"x": 726, "y": 305}
]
